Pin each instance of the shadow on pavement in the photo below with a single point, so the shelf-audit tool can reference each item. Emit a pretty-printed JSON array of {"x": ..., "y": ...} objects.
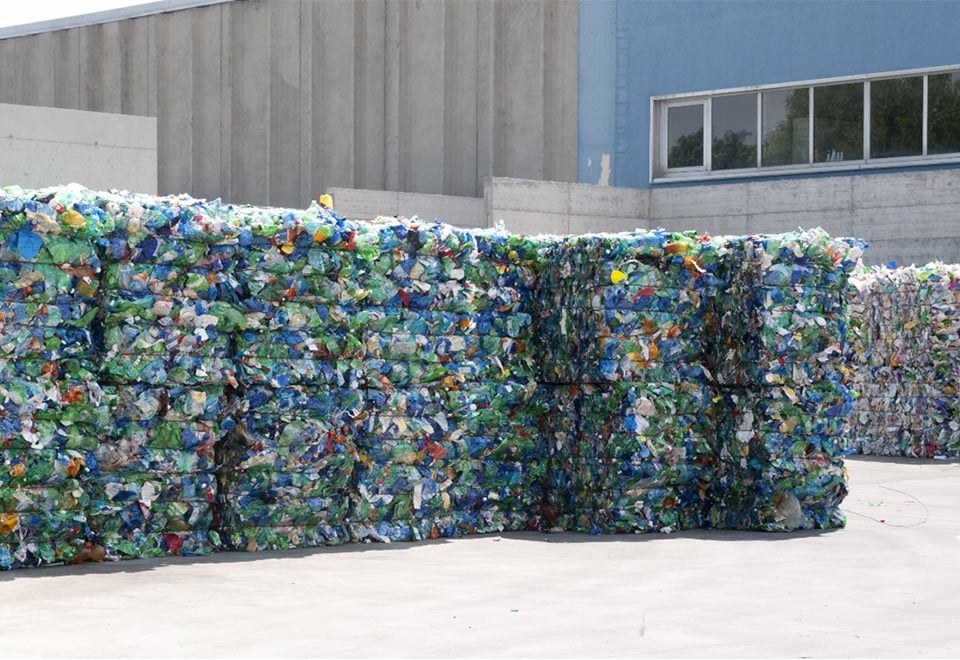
[{"x": 295, "y": 554}]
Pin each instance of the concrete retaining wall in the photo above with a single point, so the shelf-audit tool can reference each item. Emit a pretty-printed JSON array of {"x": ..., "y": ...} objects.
[
  {"x": 910, "y": 217},
  {"x": 272, "y": 103},
  {"x": 42, "y": 147}
]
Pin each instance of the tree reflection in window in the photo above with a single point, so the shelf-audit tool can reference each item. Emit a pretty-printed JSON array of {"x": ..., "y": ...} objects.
[
  {"x": 734, "y": 127},
  {"x": 786, "y": 124},
  {"x": 688, "y": 150},
  {"x": 943, "y": 108},
  {"x": 896, "y": 117},
  {"x": 685, "y": 136},
  {"x": 838, "y": 123}
]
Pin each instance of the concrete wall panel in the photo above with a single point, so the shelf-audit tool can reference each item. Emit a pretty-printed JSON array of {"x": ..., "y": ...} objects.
[
  {"x": 205, "y": 101},
  {"x": 458, "y": 211},
  {"x": 10, "y": 71},
  {"x": 174, "y": 102},
  {"x": 136, "y": 81},
  {"x": 37, "y": 61},
  {"x": 369, "y": 204},
  {"x": 249, "y": 103},
  {"x": 100, "y": 66},
  {"x": 461, "y": 36},
  {"x": 66, "y": 74},
  {"x": 422, "y": 111},
  {"x": 836, "y": 222},
  {"x": 284, "y": 95},
  {"x": 370, "y": 95},
  {"x": 668, "y": 203},
  {"x": 50, "y": 146},
  {"x": 560, "y": 90},
  {"x": 714, "y": 225},
  {"x": 788, "y": 195},
  {"x": 332, "y": 92},
  {"x": 519, "y": 104},
  {"x": 274, "y": 102}
]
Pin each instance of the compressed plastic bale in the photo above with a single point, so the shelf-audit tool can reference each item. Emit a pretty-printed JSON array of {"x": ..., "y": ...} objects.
[
  {"x": 253, "y": 539},
  {"x": 276, "y": 372},
  {"x": 28, "y": 554},
  {"x": 150, "y": 545},
  {"x": 424, "y": 477},
  {"x": 904, "y": 355},
  {"x": 390, "y": 374},
  {"x": 288, "y": 467},
  {"x": 51, "y": 410},
  {"x": 492, "y": 401},
  {"x": 45, "y": 467},
  {"x": 57, "y": 524},
  {"x": 405, "y": 500}
]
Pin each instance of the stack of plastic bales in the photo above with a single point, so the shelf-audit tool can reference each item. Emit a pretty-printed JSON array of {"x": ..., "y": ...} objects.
[
  {"x": 450, "y": 442},
  {"x": 168, "y": 308},
  {"x": 50, "y": 412},
  {"x": 288, "y": 467},
  {"x": 905, "y": 327},
  {"x": 622, "y": 326},
  {"x": 779, "y": 360}
]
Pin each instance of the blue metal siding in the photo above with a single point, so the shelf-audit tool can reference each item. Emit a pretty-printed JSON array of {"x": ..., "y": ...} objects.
[{"x": 631, "y": 50}]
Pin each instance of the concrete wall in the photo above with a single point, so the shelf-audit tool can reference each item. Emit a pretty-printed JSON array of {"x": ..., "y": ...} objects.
[
  {"x": 547, "y": 207},
  {"x": 630, "y": 51},
  {"x": 369, "y": 204},
  {"x": 911, "y": 217},
  {"x": 276, "y": 102},
  {"x": 49, "y": 146},
  {"x": 906, "y": 216}
]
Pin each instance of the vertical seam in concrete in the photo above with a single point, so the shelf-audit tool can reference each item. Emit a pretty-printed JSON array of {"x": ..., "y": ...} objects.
[
  {"x": 621, "y": 91},
  {"x": 222, "y": 105},
  {"x": 300, "y": 104},
  {"x": 478, "y": 187}
]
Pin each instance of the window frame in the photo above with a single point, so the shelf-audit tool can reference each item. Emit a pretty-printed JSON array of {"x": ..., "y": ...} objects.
[{"x": 660, "y": 173}]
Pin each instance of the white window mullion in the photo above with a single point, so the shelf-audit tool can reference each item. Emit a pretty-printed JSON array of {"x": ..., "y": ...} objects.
[
  {"x": 759, "y": 128},
  {"x": 662, "y": 116},
  {"x": 707, "y": 134},
  {"x": 810, "y": 126},
  {"x": 926, "y": 109},
  {"x": 866, "y": 122}
]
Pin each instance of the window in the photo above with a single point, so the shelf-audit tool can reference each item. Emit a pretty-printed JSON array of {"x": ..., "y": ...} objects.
[
  {"x": 880, "y": 120},
  {"x": 896, "y": 117},
  {"x": 837, "y": 123},
  {"x": 943, "y": 113},
  {"x": 734, "y": 131},
  {"x": 685, "y": 129},
  {"x": 786, "y": 127}
]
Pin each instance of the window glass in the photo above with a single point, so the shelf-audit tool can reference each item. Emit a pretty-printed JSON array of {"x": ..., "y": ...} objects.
[
  {"x": 838, "y": 122},
  {"x": 896, "y": 117},
  {"x": 786, "y": 127},
  {"x": 943, "y": 110},
  {"x": 685, "y": 136},
  {"x": 734, "y": 126}
]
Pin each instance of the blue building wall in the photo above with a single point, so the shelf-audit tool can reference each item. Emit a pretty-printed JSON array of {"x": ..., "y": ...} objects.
[{"x": 631, "y": 50}]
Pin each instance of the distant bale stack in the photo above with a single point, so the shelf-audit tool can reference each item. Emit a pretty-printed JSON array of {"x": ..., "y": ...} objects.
[
  {"x": 287, "y": 469},
  {"x": 51, "y": 409},
  {"x": 168, "y": 307},
  {"x": 623, "y": 329},
  {"x": 906, "y": 361},
  {"x": 781, "y": 371},
  {"x": 450, "y": 443}
]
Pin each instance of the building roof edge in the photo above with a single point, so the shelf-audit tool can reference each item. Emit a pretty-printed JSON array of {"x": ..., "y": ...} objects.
[{"x": 106, "y": 16}]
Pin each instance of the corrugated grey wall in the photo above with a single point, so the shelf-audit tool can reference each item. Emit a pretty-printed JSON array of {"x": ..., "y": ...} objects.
[{"x": 273, "y": 102}]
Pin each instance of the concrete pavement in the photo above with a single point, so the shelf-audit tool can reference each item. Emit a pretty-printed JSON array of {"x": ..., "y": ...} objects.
[{"x": 886, "y": 586}]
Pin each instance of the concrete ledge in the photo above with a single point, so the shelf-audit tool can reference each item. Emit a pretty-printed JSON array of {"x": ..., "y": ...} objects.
[
  {"x": 368, "y": 204},
  {"x": 49, "y": 146}
]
